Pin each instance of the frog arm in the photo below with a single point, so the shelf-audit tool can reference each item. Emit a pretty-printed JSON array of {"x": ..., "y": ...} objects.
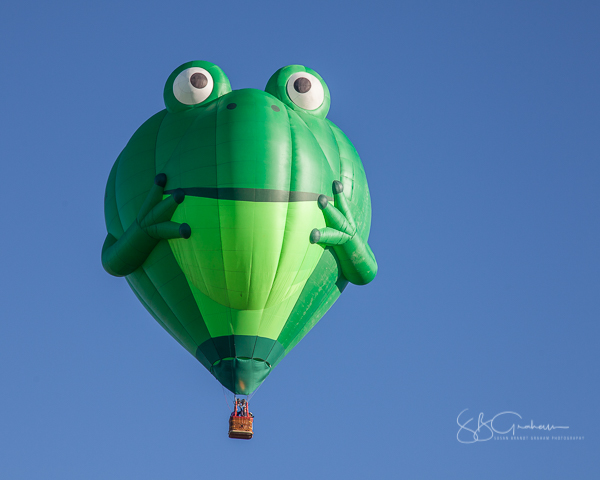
[
  {"x": 356, "y": 257},
  {"x": 123, "y": 256}
]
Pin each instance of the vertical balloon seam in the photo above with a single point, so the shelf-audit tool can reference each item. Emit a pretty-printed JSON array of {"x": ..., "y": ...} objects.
[
  {"x": 290, "y": 163},
  {"x": 290, "y": 319},
  {"x": 251, "y": 263},
  {"x": 199, "y": 263},
  {"x": 156, "y": 316},
  {"x": 121, "y": 164},
  {"x": 324, "y": 300},
  {"x": 170, "y": 249},
  {"x": 218, "y": 204},
  {"x": 314, "y": 310},
  {"x": 171, "y": 307},
  {"x": 307, "y": 250},
  {"x": 196, "y": 258},
  {"x": 194, "y": 250},
  {"x": 337, "y": 145},
  {"x": 306, "y": 285},
  {"x": 228, "y": 312},
  {"x": 290, "y": 124},
  {"x": 184, "y": 206},
  {"x": 287, "y": 209},
  {"x": 290, "y": 167},
  {"x": 248, "y": 288},
  {"x": 306, "y": 253}
]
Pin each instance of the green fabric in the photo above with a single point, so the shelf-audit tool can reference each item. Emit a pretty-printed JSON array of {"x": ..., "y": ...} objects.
[
  {"x": 240, "y": 375},
  {"x": 247, "y": 256},
  {"x": 242, "y": 346},
  {"x": 250, "y": 174},
  {"x": 320, "y": 292}
]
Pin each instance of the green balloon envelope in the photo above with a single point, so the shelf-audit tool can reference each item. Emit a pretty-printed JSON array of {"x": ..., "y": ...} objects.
[{"x": 248, "y": 284}]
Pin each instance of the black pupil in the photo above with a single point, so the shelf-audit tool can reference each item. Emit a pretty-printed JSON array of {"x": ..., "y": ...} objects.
[
  {"x": 302, "y": 85},
  {"x": 199, "y": 80}
]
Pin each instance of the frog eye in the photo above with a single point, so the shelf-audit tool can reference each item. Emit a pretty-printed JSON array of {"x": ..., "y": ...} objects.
[
  {"x": 193, "y": 86},
  {"x": 305, "y": 90}
]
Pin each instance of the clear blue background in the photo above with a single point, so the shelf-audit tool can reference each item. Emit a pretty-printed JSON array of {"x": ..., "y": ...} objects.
[{"x": 478, "y": 125}]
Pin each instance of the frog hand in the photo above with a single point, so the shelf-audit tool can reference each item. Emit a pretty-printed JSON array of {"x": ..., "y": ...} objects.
[
  {"x": 356, "y": 258},
  {"x": 123, "y": 256}
]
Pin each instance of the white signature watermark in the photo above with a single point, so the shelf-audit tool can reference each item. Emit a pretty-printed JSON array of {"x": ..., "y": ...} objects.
[{"x": 505, "y": 424}]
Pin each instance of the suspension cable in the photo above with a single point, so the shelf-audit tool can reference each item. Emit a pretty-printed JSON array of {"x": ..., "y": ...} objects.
[{"x": 225, "y": 396}]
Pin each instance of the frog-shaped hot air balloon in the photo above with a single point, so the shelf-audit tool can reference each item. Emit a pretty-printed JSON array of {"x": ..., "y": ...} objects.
[{"x": 238, "y": 217}]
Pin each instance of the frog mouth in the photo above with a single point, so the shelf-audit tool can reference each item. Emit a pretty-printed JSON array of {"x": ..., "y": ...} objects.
[{"x": 249, "y": 194}]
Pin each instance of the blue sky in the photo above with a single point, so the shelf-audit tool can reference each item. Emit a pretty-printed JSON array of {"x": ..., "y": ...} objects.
[{"x": 477, "y": 124}]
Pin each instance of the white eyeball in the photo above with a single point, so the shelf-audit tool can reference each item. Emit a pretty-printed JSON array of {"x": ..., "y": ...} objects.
[
  {"x": 193, "y": 86},
  {"x": 305, "y": 90}
]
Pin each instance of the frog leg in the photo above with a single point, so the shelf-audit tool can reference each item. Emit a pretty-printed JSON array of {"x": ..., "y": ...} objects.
[
  {"x": 123, "y": 256},
  {"x": 356, "y": 257}
]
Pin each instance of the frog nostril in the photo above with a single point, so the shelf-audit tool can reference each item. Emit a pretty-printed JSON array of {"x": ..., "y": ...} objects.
[
  {"x": 231, "y": 106},
  {"x": 275, "y": 107}
]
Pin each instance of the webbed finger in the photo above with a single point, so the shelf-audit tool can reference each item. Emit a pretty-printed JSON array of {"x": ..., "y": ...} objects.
[
  {"x": 334, "y": 218},
  {"x": 328, "y": 236},
  {"x": 341, "y": 203},
  {"x": 169, "y": 230},
  {"x": 154, "y": 196},
  {"x": 165, "y": 209}
]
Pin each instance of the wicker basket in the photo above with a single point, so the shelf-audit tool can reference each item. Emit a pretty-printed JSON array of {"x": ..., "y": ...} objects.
[{"x": 240, "y": 427}]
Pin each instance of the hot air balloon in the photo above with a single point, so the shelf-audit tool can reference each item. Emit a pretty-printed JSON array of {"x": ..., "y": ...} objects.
[{"x": 239, "y": 217}]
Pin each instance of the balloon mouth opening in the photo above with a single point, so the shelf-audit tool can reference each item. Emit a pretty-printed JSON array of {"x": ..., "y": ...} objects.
[{"x": 240, "y": 375}]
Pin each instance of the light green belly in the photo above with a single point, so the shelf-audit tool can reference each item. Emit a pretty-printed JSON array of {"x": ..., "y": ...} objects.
[{"x": 247, "y": 262}]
